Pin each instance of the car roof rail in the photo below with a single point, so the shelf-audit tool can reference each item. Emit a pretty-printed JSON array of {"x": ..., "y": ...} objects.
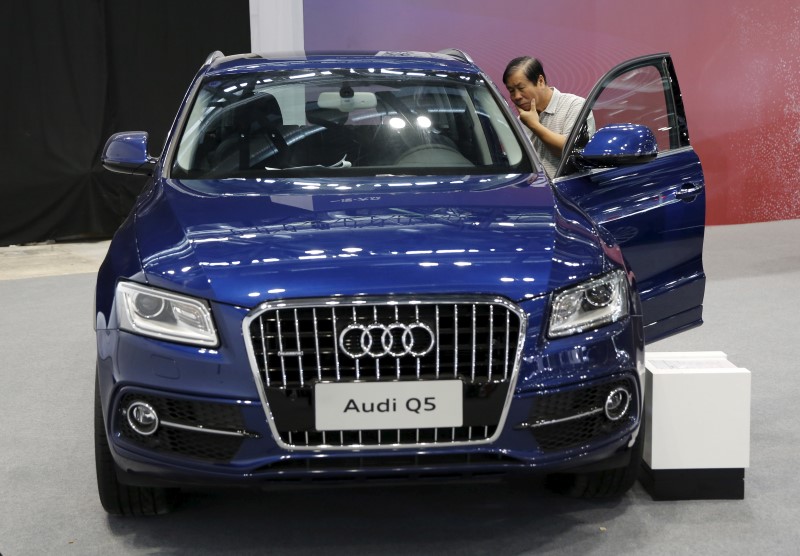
[
  {"x": 458, "y": 54},
  {"x": 213, "y": 56}
]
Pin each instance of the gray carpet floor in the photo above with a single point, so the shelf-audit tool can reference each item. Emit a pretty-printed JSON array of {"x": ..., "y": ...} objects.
[{"x": 49, "y": 503}]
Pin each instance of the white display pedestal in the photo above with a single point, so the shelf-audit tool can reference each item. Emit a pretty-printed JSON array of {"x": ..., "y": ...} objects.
[{"x": 697, "y": 427}]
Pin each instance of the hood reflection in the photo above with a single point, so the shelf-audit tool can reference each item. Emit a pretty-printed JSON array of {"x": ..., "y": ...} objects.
[{"x": 285, "y": 244}]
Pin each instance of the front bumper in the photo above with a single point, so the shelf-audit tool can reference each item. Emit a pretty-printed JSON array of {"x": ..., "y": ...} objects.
[{"x": 214, "y": 430}]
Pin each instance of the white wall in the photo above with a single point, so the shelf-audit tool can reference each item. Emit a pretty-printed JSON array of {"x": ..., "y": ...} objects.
[{"x": 276, "y": 26}]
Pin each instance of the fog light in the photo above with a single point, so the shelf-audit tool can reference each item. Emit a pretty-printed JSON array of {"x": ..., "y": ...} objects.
[
  {"x": 617, "y": 403},
  {"x": 142, "y": 418}
]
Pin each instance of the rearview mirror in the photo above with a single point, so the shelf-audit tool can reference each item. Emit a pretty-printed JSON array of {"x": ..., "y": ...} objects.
[
  {"x": 126, "y": 153},
  {"x": 347, "y": 102},
  {"x": 618, "y": 145}
]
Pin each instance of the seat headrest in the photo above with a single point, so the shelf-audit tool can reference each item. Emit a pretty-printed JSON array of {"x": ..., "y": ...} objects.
[{"x": 259, "y": 111}]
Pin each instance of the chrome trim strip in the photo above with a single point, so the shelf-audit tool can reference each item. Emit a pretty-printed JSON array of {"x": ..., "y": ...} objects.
[
  {"x": 491, "y": 339},
  {"x": 474, "y": 335},
  {"x": 416, "y": 316},
  {"x": 398, "y": 368},
  {"x": 335, "y": 351},
  {"x": 538, "y": 424},
  {"x": 299, "y": 348},
  {"x": 264, "y": 347},
  {"x": 386, "y": 300},
  {"x": 316, "y": 344},
  {"x": 243, "y": 434},
  {"x": 455, "y": 341},
  {"x": 508, "y": 333},
  {"x": 280, "y": 346},
  {"x": 438, "y": 352},
  {"x": 358, "y": 360},
  {"x": 377, "y": 361}
]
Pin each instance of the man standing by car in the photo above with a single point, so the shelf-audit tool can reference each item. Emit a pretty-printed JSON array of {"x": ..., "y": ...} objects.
[{"x": 548, "y": 113}]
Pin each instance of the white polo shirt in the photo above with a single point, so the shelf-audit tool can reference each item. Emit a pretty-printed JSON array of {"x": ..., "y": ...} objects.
[{"x": 559, "y": 116}]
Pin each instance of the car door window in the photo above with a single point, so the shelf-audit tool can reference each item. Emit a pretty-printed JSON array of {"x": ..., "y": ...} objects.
[{"x": 641, "y": 95}]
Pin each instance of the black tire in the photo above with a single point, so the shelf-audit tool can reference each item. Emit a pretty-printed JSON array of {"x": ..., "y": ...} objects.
[
  {"x": 609, "y": 483},
  {"x": 118, "y": 498}
]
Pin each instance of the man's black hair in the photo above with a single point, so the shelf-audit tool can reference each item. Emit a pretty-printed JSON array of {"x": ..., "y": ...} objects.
[{"x": 531, "y": 68}]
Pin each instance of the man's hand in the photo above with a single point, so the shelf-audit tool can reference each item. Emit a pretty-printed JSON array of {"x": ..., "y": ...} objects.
[
  {"x": 553, "y": 141},
  {"x": 529, "y": 117}
]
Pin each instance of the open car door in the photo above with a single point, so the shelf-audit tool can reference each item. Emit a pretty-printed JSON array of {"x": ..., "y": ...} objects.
[{"x": 638, "y": 177}]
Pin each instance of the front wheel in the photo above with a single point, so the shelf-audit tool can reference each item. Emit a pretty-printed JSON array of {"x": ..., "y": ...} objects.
[
  {"x": 608, "y": 483},
  {"x": 118, "y": 498}
]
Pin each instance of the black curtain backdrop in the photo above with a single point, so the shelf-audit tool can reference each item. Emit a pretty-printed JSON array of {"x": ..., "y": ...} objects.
[{"x": 74, "y": 72}]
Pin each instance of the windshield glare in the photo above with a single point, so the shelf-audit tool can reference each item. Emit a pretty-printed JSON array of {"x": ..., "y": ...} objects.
[{"x": 339, "y": 123}]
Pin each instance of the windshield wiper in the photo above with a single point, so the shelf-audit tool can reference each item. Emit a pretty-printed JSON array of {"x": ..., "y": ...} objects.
[{"x": 343, "y": 163}]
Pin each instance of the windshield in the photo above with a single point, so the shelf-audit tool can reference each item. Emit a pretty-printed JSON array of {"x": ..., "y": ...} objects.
[{"x": 346, "y": 122}]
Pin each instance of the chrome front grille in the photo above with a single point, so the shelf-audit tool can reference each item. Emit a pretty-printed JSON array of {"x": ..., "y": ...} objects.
[{"x": 296, "y": 344}]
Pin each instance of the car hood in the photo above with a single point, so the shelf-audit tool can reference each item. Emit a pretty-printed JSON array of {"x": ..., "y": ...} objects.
[{"x": 243, "y": 242}]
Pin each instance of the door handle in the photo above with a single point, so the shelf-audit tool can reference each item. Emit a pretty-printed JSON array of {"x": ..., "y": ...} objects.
[{"x": 689, "y": 191}]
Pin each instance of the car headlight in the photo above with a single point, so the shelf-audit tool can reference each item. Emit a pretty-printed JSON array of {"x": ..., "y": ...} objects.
[
  {"x": 164, "y": 315},
  {"x": 595, "y": 303}
]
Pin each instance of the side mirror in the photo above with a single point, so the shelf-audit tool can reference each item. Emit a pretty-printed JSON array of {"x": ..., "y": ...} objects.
[
  {"x": 126, "y": 153},
  {"x": 618, "y": 145}
]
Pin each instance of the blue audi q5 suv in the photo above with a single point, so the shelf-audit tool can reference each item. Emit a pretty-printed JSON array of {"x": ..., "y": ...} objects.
[{"x": 354, "y": 266}]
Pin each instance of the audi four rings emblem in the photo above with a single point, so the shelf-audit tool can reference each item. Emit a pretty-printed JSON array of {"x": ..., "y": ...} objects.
[{"x": 395, "y": 339}]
